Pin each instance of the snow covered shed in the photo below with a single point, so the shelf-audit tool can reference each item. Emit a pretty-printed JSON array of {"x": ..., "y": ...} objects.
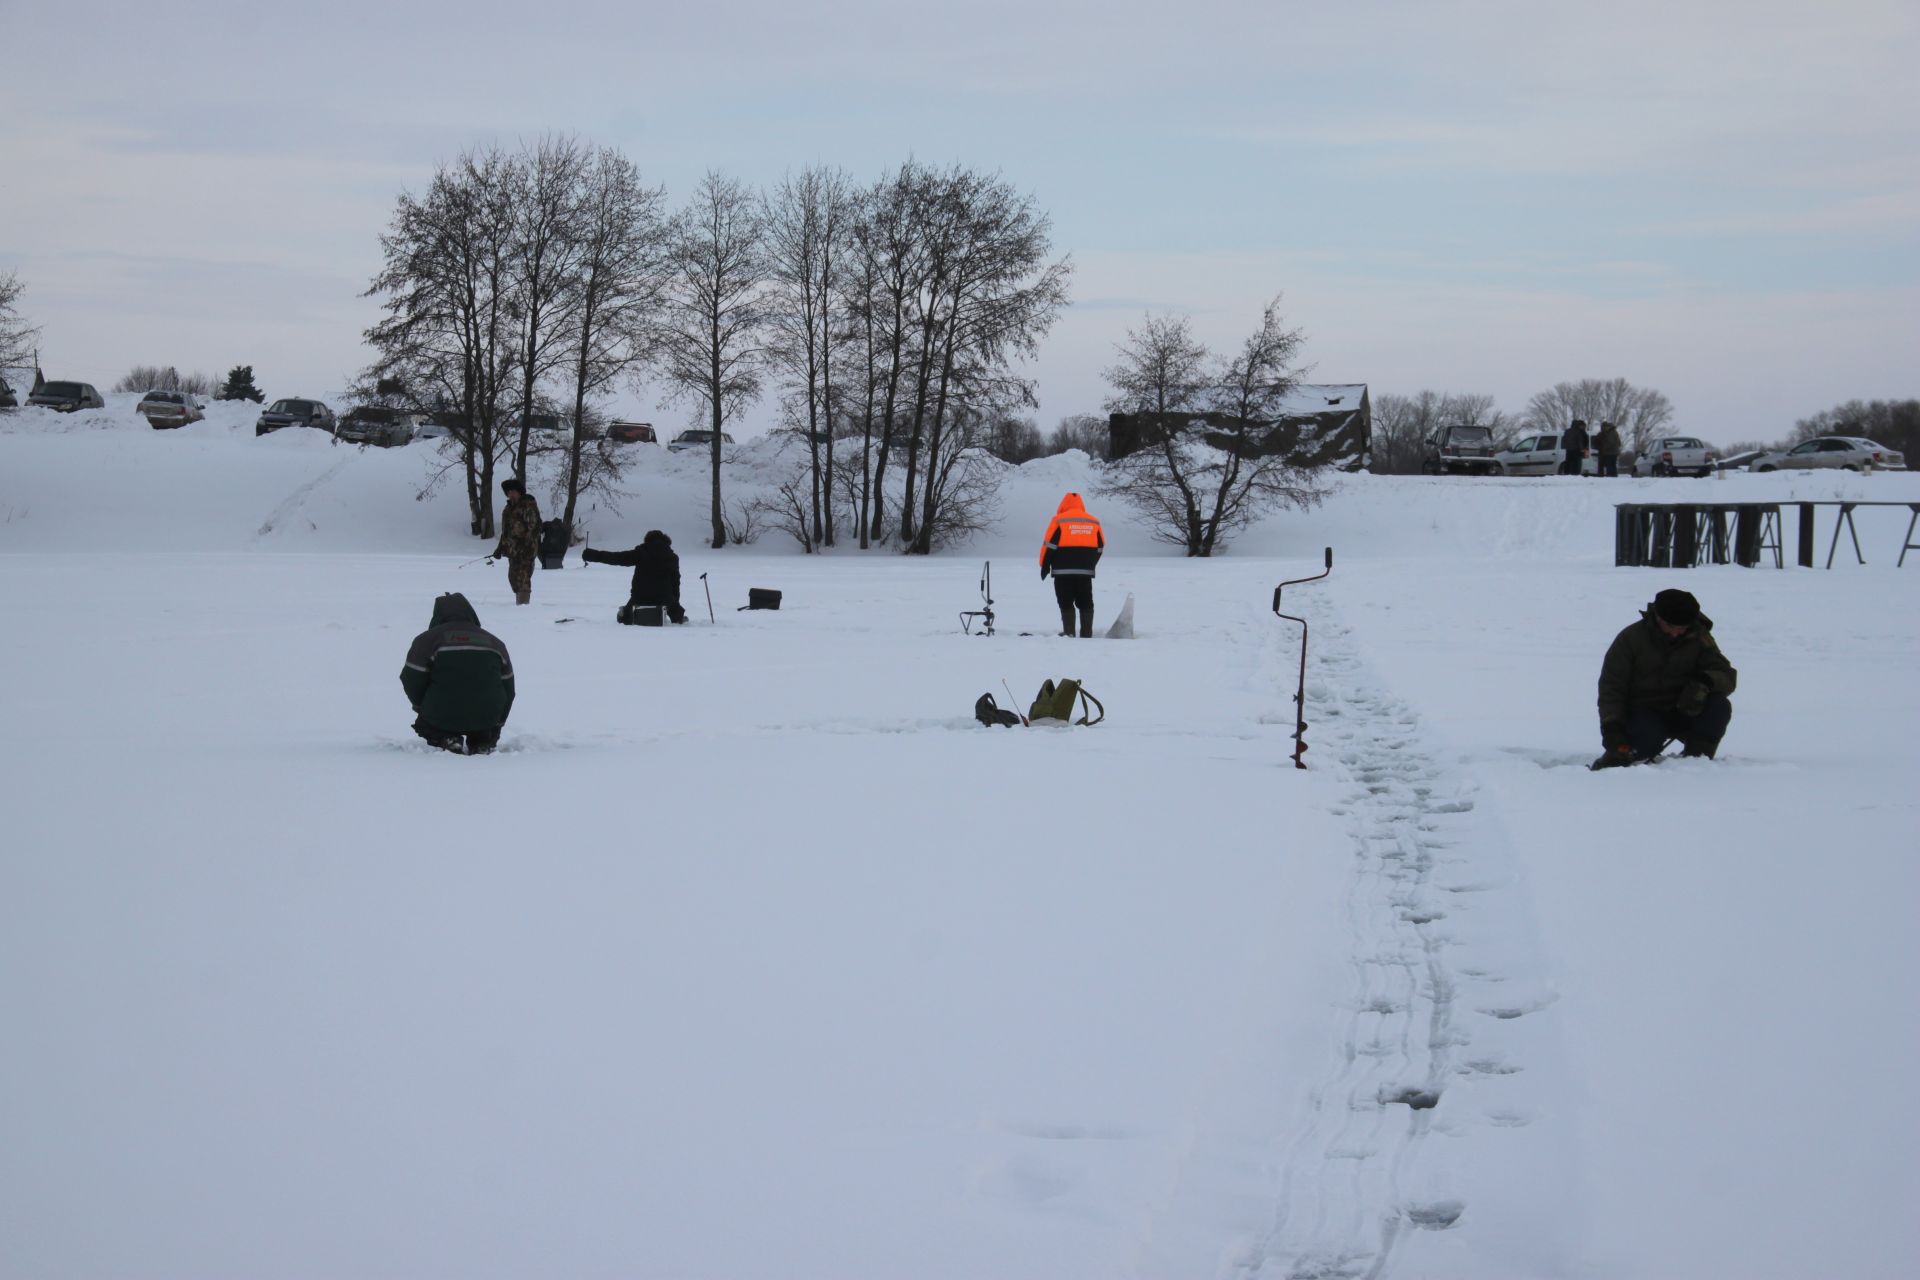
[{"x": 1318, "y": 425}]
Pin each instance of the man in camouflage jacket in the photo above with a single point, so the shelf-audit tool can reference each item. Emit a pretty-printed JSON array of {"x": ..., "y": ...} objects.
[
  {"x": 519, "y": 538},
  {"x": 459, "y": 680},
  {"x": 1664, "y": 679}
]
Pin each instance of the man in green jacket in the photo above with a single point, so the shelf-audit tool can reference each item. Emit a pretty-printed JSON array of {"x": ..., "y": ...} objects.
[
  {"x": 459, "y": 680},
  {"x": 519, "y": 537},
  {"x": 1664, "y": 680}
]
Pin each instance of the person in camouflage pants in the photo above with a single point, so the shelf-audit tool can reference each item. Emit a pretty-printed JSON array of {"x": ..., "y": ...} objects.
[{"x": 519, "y": 538}]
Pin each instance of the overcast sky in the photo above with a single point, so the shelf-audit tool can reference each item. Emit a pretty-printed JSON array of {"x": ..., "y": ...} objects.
[{"x": 1721, "y": 200}]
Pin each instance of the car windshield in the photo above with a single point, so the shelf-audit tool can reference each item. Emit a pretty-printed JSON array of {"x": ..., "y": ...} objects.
[
  {"x": 1685, "y": 442},
  {"x": 1470, "y": 435},
  {"x": 163, "y": 397},
  {"x": 696, "y": 437},
  {"x": 368, "y": 413},
  {"x": 61, "y": 389}
]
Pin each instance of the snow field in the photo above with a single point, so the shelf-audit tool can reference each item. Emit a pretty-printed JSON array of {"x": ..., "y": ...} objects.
[{"x": 751, "y": 955}]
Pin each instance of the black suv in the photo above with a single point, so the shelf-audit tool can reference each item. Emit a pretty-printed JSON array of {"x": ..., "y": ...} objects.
[
  {"x": 371, "y": 424},
  {"x": 67, "y": 397},
  {"x": 294, "y": 413}
]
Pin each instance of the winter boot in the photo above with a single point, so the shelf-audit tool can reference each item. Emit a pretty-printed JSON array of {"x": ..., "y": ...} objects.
[
  {"x": 523, "y": 597},
  {"x": 1086, "y": 624},
  {"x": 1066, "y": 619}
]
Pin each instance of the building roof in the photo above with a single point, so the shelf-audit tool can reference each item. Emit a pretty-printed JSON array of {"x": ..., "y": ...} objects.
[{"x": 1328, "y": 397}]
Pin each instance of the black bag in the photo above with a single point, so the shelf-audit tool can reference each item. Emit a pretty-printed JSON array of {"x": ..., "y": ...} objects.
[
  {"x": 988, "y": 713},
  {"x": 760, "y": 598},
  {"x": 553, "y": 543},
  {"x": 642, "y": 615}
]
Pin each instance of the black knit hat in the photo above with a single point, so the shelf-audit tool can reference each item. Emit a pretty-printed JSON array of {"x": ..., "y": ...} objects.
[{"x": 1676, "y": 608}]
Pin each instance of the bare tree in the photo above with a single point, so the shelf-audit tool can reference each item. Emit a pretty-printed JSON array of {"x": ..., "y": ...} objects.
[
  {"x": 889, "y": 265},
  {"x": 1013, "y": 439},
  {"x": 152, "y": 377},
  {"x": 620, "y": 265},
  {"x": 448, "y": 294},
  {"x": 16, "y": 335},
  {"x": 1086, "y": 432},
  {"x": 1202, "y": 475},
  {"x": 807, "y": 220},
  {"x": 712, "y": 342},
  {"x": 544, "y": 191},
  {"x": 962, "y": 483},
  {"x": 1000, "y": 296},
  {"x": 1641, "y": 413}
]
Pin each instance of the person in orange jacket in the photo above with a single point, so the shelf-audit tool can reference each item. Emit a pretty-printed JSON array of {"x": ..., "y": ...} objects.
[{"x": 1071, "y": 550}]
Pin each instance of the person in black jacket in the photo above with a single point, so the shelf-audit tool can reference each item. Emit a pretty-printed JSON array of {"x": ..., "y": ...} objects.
[
  {"x": 656, "y": 572},
  {"x": 459, "y": 680},
  {"x": 1574, "y": 440}
]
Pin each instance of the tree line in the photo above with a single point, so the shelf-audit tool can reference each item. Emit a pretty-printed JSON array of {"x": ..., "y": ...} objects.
[{"x": 889, "y": 318}]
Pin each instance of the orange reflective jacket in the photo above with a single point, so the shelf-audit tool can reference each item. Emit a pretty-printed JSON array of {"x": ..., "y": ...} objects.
[{"x": 1076, "y": 534}]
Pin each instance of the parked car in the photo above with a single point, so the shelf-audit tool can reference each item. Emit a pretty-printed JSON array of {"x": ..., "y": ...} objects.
[
  {"x": 1455, "y": 450},
  {"x": 67, "y": 397},
  {"x": 439, "y": 425},
  {"x": 632, "y": 433},
  {"x": 294, "y": 413},
  {"x": 1540, "y": 455},
  {"x": 1675, "y": 456},
  {"x": 370, "y": 424},
  {"x": 164, "y": 409},
  {"x": 1739, "y": 461},
  {"x": 696, "y": 439},
  {"x": 1825, "y": 452},
  {"x": 6, "y": 396}
]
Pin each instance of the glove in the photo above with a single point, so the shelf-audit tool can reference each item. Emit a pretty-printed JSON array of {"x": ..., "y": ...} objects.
[
  {"x": 491, "y": 559},
  {"x": 1613, "y": 736},
  {"x": 1044, "y": 571},
  {"x": 1693, "y": 698}
]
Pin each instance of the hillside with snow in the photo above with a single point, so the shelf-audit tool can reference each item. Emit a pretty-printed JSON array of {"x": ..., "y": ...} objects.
[{"x": 752, "y": 955}]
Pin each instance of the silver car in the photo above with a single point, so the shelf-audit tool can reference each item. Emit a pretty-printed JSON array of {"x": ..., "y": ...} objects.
[
  {"x": 1849, "y": 453},
  {"x": 163, "y": 409},
  {"x": 1675, "y": 456}
]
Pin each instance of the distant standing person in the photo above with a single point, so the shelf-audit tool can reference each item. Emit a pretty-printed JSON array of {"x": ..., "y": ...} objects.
[
  {"x": 1607, "y": 448},
  {"x": 519, "y": 537},
  {"x": 656, "y": 572},
  {"x": 1574, "y": 441},
  {"x": 1664, "y": 680},
  {"x": 1070, "y": 551},
  {"x": 459, "y": 680}
]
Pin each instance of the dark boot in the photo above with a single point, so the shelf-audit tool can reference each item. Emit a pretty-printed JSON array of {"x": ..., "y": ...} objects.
[
  {"x": 1086, "y": 624},
  {"x": 1066, "y": 619}
]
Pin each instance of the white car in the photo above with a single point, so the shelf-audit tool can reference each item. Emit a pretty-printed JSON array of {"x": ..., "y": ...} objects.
[
  {"x": 1675, "y": 456},
  {"x": 696, "y": 439},
  {"x": 1540, "y": 455},
  {"x": 1827, "y": 452}
]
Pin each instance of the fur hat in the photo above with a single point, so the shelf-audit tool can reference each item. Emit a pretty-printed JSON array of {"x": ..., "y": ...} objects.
[{"x": 1676, "y": 608}]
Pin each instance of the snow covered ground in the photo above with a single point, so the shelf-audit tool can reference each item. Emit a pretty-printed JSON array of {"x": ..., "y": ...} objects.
[{"x": 751, "y": 955}]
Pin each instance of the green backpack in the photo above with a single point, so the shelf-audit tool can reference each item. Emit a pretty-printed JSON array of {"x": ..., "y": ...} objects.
[{"x": 1055, "y": 702}]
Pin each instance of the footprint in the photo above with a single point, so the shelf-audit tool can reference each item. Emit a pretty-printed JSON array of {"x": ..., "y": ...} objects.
[
  {"x": 1413, "y": 1096},
  {"x": 1436, "y": 1215}
]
